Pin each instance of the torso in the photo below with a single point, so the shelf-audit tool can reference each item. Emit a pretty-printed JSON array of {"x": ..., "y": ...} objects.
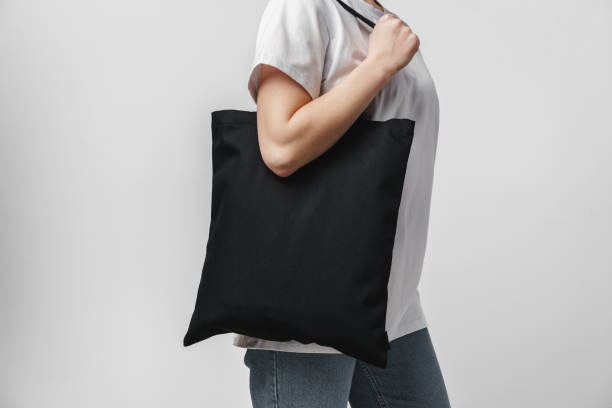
[{"x": 410, "y": 93}]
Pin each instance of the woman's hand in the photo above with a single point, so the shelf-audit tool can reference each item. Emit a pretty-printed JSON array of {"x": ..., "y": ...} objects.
[{"x": 392, "y": 44}]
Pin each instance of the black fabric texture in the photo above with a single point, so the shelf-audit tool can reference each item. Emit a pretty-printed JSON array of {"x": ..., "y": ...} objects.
[{"x": 305, "y": 257}]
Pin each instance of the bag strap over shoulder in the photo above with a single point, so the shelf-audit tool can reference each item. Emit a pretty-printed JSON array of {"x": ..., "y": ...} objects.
[{"x": 356, "y": 14}]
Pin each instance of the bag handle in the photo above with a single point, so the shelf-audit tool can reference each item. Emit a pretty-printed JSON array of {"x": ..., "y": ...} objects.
[{"x": 356, "y": 14}]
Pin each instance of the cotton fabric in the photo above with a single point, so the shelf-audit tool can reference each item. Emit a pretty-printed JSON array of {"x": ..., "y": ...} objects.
[
  {"x": 294, "y": 258},
  {"x": 317, "y": 43}
]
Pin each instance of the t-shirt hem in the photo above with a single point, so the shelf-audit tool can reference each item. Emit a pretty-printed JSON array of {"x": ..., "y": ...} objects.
[
  {"x": 301, "y": 77},
  {"x": 296, "y": 347}
]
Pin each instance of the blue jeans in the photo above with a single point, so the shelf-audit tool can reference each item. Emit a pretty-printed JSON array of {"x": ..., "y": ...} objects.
[{"x": 412, "y": 378}]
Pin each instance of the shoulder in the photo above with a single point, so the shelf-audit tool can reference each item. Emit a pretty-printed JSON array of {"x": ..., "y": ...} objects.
[
  {"x": 303, "y": 5},
  {"x": 300, "y": 13}
]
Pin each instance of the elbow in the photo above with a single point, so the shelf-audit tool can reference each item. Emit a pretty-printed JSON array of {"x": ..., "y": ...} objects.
[{"x": 279, "y": 159}]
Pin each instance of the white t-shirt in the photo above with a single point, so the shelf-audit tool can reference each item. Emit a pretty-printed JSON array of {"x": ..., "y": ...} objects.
[{"x": 317, "y": 43}]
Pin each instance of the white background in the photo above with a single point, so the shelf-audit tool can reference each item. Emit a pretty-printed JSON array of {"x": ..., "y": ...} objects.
[{"x": 105, "y": 179}]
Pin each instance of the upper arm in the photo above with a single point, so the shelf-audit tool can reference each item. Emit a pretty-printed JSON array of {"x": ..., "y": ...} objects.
[
  {"x": 288, "y": 67},
  {"x": 279, "y": 96},
  {"x": 292, "y": 37}
]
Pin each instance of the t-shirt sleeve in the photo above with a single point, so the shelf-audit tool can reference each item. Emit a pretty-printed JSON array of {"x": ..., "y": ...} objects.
[{"x": 292, "y": 37}]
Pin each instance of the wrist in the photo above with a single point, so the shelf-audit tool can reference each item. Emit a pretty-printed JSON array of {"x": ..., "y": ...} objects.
[{"x": 377, "y": 69}]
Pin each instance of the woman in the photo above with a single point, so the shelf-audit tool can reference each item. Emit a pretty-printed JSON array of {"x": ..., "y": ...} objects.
[{"x": 317, "y": 68}]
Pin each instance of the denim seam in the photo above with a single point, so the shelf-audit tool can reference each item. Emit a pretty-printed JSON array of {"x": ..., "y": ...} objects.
[
  {"x": 275, "y": 368},
  {"x": 379, "y": 397}
]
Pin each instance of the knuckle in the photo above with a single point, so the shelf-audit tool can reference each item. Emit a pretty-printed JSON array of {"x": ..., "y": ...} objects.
[{"x": 390, "y": 17}]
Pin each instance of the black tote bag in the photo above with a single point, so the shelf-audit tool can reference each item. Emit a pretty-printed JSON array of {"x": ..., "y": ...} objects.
[{"x": 305, "y": 257}]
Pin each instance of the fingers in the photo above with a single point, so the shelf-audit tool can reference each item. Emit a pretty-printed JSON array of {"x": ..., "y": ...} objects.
[
  {"x": 393, "y": 42},
  {"x": 392, "y": 17},
  {"x": 407, "y": 34},
  {"x": 384, "y": 17}
]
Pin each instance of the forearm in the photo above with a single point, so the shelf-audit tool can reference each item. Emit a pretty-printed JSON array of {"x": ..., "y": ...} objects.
[
  {"x": 294, "y": 129},
  {"x": 320, "y": 123}
]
